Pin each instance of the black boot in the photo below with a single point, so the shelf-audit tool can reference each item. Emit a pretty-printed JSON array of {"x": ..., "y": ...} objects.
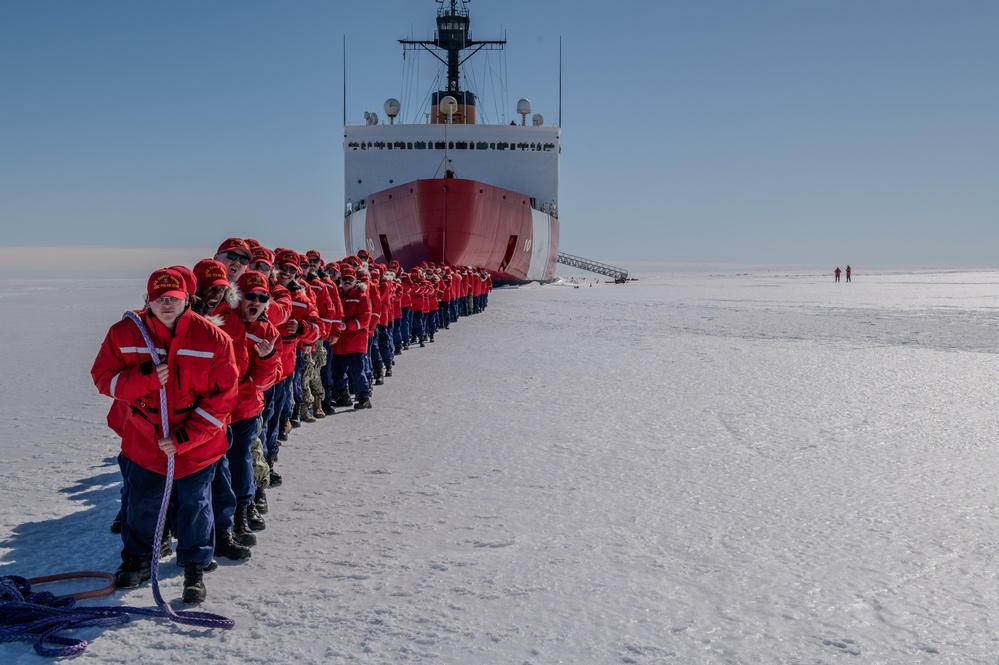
[
  {"x": 363, "y": 402},
  {"x": 225, "y": 545},
  {"x": 166, "y": 542},
  {"x": 254, "y": 518},
  {"x": 283, "y": 429},
  {"x": 241, "y": 532},
  {"x": 260, "y": 499},
  {"x": 343, "y": 399},
  {"x": 194, "y": 583},
  {"x": 431, "y": 338},
  {"x": 275, "y": 476},
  {"x": 379, "y": 376},
  {"x": 296, "y": 421},
  {"x": 132, "y": 572},
  {"x": 116, "y": 523},
  {"x": 422, "y": 341},
  {"x": 388, "y": 370}
]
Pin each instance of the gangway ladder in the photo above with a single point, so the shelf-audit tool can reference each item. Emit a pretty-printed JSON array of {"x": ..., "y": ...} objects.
[{"x": 620, "y": 275}]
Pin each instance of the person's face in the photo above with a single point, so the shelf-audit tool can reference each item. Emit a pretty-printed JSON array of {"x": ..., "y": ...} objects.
[
  {"x": 348, "y": 282},
  {"x": 253, "y": 305},
  {"x": 315, "y": 265},
  {"x": 167, "y": 309},
  {"x": 235, "y": 262},
  {"x": 286, "y": 273},
  {"x": 213, "y": 296}
]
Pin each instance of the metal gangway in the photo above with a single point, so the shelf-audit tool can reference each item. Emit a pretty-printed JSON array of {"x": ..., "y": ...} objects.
[{"x": 620, "y": 275}]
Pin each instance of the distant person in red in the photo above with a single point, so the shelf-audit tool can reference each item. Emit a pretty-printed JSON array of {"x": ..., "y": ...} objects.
[
  {"x": 848, "y": 271},
  {"x": 837, "y": 272}
]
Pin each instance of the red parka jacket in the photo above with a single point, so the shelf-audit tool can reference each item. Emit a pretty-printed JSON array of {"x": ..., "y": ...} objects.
[
  {"x": 261, "y": 373},
  {"x": 201, "y": 391},
  {"x": 356, "y": 317}
]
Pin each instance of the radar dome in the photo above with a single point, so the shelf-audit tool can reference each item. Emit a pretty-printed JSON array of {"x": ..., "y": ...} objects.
[
  {"x": 392, "y": 107},
  {"x": 448, "y": 104},
  {"x": 524, "y": 106},
  {"x": 537, "y": 120}
]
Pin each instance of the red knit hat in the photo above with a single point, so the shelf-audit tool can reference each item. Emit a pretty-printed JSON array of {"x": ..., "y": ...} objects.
[
  {"x": 262, "y": 254},
  {"x": 287, "y": 257},
  {"x": 211, "y": 273},
  {"x": 190, "y": 281},
  {"x": 251, "y": 281},
  {"x": 165, "y": 283},
  {"x": 235, "y": 245}
]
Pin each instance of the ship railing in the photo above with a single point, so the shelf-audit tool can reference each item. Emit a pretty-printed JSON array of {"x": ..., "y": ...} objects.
[{"x": 619, "y": 275}]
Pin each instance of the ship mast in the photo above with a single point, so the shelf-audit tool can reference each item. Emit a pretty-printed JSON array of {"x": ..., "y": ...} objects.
[{"x": 453, "y": 36}]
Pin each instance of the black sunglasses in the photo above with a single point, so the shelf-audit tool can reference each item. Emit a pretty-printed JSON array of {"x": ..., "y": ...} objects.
[
  {"x": 253, "y": 296},
  {"x": 236, "y": 256},
  {"x": 291, "y": 270}
]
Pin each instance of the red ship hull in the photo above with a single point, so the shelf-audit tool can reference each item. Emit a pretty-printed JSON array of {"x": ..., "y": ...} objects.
[{"x": 460, "y": 222}]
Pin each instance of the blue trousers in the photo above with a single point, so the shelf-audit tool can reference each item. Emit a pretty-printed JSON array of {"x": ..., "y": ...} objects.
[
  {"x": 296, "y": 386},
  {"x": 407, "y": 323},
  {"x": 268, "y": 420},
  {"x": 374, "y": 353},
  {"x": 190, "y": 504},
  {"x": 244, "y": 485},
  {"x": 326, "y": 373},
  {"x": 386, "y": 347},
  {"x": 348, "y": 374},
  {"x": 418, "y": 330},
  {"x": 223, "y": 498}
]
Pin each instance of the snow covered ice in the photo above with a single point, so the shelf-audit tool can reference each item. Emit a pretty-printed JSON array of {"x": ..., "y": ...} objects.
[{"x": 764, "y": 467}]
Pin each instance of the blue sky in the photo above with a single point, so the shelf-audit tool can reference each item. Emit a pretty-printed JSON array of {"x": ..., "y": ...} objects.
[{"x": 859, "y": 132}]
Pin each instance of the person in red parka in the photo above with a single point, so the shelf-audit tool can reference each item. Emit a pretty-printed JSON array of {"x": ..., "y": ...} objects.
[
  {"x": 263, "y": 370},
  {"x": 352, "y": 345},
  {"x": 195, "y": 365}
]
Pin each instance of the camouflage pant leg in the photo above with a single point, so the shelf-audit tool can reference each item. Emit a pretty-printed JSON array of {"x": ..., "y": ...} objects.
[
  {"x": 308, "y": 369},
  {"x": 261, "y": 470},
  {"x": 314, "y": 370}
]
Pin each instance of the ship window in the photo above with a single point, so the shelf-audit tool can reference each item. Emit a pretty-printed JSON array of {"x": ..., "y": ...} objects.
[
  {"x": 502, "y": 145},
  {"x": 482, "y": 145},
  {"x": 461, "y": 145},
  {"x": 439, "y": 145},
  {"x": 409, "y": 145},
  {"x": 450, "y": 145},
  {"x": 522, "y": 146},
  {"x": 549, "y": 147},
  {"x": 492, "y": 146},
  {"x": 364, "y": 147},
  {"x": 401, "y": 145},
  {"x": 352, "y": 145},
  {"x": 420, "y": 145},
  {"x": 380, "y": 145}
]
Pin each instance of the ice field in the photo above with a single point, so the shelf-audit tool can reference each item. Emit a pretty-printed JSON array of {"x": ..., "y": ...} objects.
[{"x": 698, "y": 467}]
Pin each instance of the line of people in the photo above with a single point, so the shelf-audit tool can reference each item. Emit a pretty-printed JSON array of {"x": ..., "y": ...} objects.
[{"x": 248, "y": 346}]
